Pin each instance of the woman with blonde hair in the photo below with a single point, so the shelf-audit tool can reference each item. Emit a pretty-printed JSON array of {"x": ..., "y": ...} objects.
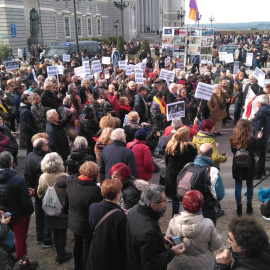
[
  {"x": 132, "y": 126},
  {"x": 178, "y": 153},
  {"x": 103, "y": 140}
]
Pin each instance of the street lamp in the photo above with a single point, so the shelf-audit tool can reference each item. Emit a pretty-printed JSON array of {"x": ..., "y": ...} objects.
[
  {"x": 180, "y": 15},
  {"x": 116, "y": 23},
  {"x": 121, "y": 4},
  {"x": 200, "y": 17},
  {"x": 211, "y": 20}
]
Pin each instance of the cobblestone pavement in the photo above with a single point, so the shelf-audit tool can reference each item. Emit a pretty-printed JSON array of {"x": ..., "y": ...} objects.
[{"x": 45, "y": 257}]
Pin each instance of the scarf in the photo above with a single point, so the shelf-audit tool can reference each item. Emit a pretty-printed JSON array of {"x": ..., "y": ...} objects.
[
  {"x": 249, "y": 106},
  {"x": 162, "y": 109},
  {"x": 126, "y": 108}
]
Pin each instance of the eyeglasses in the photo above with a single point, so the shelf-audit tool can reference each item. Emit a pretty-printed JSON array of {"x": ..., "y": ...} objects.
[{"x": 165, "y": 200}]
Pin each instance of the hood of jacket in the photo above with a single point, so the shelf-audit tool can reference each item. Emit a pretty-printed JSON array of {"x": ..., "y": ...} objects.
[
  {"x": 265, "y": 109},
  {"x": 24, "y": 107},
  {"x": 78, "y": 153},
  {"x": 6, "y": 174},
  {"x": 204, "y": 161}
]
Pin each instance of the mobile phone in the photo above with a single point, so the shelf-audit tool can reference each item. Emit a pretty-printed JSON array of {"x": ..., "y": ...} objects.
[
  {"x": 7, "y": 214},
  {"x": 224, "y": 153},
  {"x": 176, "y": 240}
]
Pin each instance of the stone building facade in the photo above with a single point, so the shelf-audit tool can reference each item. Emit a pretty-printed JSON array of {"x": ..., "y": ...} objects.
[{"x": 95, "y": 18}]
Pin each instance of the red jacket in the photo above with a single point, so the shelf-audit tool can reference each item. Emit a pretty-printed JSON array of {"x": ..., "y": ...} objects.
[
  {"x": 193, "y": 131},
  {"x": 114, "y": 102},
  {"x": 143, "y": 158}
]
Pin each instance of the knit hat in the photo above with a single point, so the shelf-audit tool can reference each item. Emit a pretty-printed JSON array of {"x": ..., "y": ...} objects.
[
  {"x": 122, "y": 169},
  {"x": 140, "y": 134},
  {"x": 193, "y": 201},
  {"x": 207, "y": 124}
]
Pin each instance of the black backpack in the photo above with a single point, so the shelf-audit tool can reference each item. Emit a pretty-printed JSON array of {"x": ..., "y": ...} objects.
[{"x": 192, "y": 177}]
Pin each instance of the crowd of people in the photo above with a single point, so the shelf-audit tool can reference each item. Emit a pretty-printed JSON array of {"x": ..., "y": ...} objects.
[{"x": 91, "y": 141}]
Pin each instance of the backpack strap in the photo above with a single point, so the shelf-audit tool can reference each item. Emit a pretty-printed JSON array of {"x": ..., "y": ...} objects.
[
  {"x": 104, "y": 217},
  {"x": 133, "y": 145}
]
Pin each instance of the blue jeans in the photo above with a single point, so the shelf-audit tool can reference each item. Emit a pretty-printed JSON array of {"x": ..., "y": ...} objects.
[
  {"x": 42, "y": 229},
  {"x": 175, "y": 207},
  {"x": 159, "y": 146},
  {"x": 238, "y": 189}
]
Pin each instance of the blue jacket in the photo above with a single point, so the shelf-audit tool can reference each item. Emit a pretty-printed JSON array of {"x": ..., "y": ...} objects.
[
  {"x": 14, "y": 195},
  {"x": 262, "y": 120},
  {"x": 17, "y": 101},
  {"x": 196, "y": 60}
]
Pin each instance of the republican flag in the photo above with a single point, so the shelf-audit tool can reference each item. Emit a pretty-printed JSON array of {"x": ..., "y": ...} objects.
[{"x": 193, "y": 10}]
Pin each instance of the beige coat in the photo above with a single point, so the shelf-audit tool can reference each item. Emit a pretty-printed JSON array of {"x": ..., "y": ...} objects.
[
  {"x": 217, "y": 114},
  {"x": 200, "y": 239}
]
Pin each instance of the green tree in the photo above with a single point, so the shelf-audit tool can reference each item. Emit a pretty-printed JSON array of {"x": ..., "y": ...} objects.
[
  {"x": 4, "y": 51},
  {"x": 120, "y": 45},
  {"x": 145, "y": 46}
]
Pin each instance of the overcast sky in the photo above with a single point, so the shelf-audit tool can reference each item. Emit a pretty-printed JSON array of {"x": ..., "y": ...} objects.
[{"x": 231, "y": 11}]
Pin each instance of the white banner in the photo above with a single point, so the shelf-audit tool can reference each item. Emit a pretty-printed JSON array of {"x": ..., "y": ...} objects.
[
  {"x": 106, "y": 73},
  {"x": 175, "y": 110},
  {"x": 138, "y": 76},
  {"x": 235, "y": 67},
  {"x": 166, "y": 75},
  {"x": 60, "y": 69},
  {"x": 80, "y": 71},
  {"x": 167, "y": 61},
  {"x": 156, "y": 64},
  {"x": 261, "y": 80},
  {"x": 249, "y": 59},
  {"x": 52, "y": 70},
  {"x": 129, "y": 69},
  {"x": 229, "y": 58},
  {"x": 87, "y": 67},
  {"x": 66, "y": 58},
  {"x": 96, "y": 66},
  {"x": 204, "y": 91},
  {"x": 122, "y": 64},
  {"x": 106, "y": 60},
  {"x": 257, "y": 72},
  {"x": 12, "y": 65},
  {"x": 143, "y": 65},
  {"x": 222, "y": 56}
]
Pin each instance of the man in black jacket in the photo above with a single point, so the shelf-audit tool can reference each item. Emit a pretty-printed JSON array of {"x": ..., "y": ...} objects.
[
  {"x": 15, "y": 199},
  {"x": 145, "y": 242},
  {"x": 172, "y": 94},
  {"x": 140, "y": 105},
  {"x": 48, "y": 97}
]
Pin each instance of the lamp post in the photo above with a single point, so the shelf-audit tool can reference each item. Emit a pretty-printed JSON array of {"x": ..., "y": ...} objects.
[
  {"x": 121, "y": 4},
  {"x": 180, "y": 15},
  {"x": 200, "y": 17},
  {"x": 211, "y": 20},
  {"x": 116, "y": 23}
]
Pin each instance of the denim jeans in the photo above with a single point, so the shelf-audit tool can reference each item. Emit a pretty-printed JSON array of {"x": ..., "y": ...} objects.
[
  {"x": 159, "y": 146},
  {"x": 42, "y": 229},
  {"x": 238, "y": 189}
]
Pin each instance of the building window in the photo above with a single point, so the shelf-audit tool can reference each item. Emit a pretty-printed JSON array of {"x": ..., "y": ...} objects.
[
  {"x": 67, "y": 27},
  {"x": 98, "y": 26},
  {"x": 89, "y": 25},
  {"x": 79, "y": 26}
]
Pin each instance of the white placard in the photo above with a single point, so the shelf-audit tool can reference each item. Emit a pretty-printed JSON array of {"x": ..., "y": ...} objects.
[
  {"x": 52, "y": 70},
  {"x": 96, "y": 66},
  {"x": 156, "y": 64},
  {"x": 235, "y": 67},
  {"x": 129, "y": 69},
  {"x": 138, "y": 66},
  {"x": 122, "y": 64},
  {"x": 167, "y": 75},
  {"x": 249, "y": 59},
  {"x": 204, "y": 91},
  {"x": 60, "y": 69},
  {"x": 80, "y": 71},
  {"x": 138, "y": 76},
  {"x": 106, "y": 60},
  {"x": 106, "y": 73},
  {"x": 257, "y": 72},
  {"x": 261, "y": 80},
  {"x": 222, "y": 56},
  {"x": 143, "y": 65},
  {"x": 250, "y": 95},
  {"x": 34, "y": 75},
  {"x": 175, "y": 110},
  {"x": 86, "y": 67},
  {"x": 66, "y": 58},
  {"x": 167, "y": 61},
  {"x": 144, "y": 60},
  {"x": 11, "y": 65},
  {"x": 229, "y": 58}
]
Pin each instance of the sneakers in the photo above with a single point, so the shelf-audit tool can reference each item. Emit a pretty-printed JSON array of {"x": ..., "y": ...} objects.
[
  {"x": 31, "y": 266},
  {"x": 265, "y": 218},
  {"x": 68, "y": 255},
  {"x": 47, "y": 245}
]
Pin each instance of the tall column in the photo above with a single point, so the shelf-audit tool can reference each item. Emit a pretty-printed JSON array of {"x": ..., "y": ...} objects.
[
  {"x": 142, "y": 16},
  {"x": 145, "y": 15},
  {"x": 150, "y": 15},
  {"x": 154, "y": 15},
  {"x": 138, "y": 14}
]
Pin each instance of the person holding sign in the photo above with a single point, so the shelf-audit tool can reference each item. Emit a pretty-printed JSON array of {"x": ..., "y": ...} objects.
[{"x": 217, "y": 107}]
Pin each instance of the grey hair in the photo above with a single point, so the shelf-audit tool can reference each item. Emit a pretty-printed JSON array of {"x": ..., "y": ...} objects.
[
  {"x": 80, "y": 142},
  {"x": 84, "y": 81},
  {"x": 251, "y": 76},
  {"x": 117, "y": 134},
  {"x": 67, "y": 100},
  {"x": 151, "y": 194},
  {"x": 50, "y": 79},
  {"x": 6, "y": 160},
  {"x": 263, "y": 99},
  {"x": 183, "y": 74},
  {"x": 176, "y": 123},
  {"x": 46, "y": 84},
  {"x": 206, "y": 150},
  {"x": 52, "y": 163},
  {"x": 129, "y": 83},
  {"x": 172, "y": 85},
  {"x": 71, "y": 86},
  {"x": 41, "y": 78},
  {"x": 102, "y": 83},
  {"x": 49, "y": 113}
]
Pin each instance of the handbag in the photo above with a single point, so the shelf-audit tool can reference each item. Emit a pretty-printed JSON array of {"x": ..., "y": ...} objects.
[{"x": 222, "y": 105}]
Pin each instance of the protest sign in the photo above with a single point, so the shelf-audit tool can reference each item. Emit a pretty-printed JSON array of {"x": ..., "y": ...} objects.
[
  {"x": 175, "y": 110},
  {"x": 166, "y": 75},
  {"x": 122, "y": 64},
  {"x": 60, "y": 69},
  {"x": 80, "y": 71},
  {"x": 257, "y": 72},
  {"x": 52, "y": 70},
  {"x": 229, "y": 58},
  {"x": 106, "y": 74},
  {"x": 11, "y": 65},
  {"x": 249, "y": 59},
  {"x": 66, "y": 58},
  {"x": 106, "y": 60},
  {"x": 143, "y": 65},
  {"x": 250, "y": 98},
  {"x": 156, "y": 64},
  {"x": 96, "y": 66},
  {"x": 204, "y": 91},
  {"x": 34, "y": 75},
  {"x": 261, "y": 79},
  {"x": 222, "y": 56},
  {"x": 138, "y": 76},
  {"x": 167, "y": 61},
  {"x": 86, "y": 67},
  {"x": 129, "y": 69},
  {"x": 144, "y": 60},
  {"x": 235, "y": 67}
]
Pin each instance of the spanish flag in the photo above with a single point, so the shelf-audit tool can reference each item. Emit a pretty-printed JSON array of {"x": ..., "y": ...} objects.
[{"x": 193, "y": 10}]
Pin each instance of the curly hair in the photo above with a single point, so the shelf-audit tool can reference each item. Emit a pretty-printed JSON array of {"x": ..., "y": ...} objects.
[
  {"x": 89, "y": 169},
  {"x": 52, "y": 163},
  {"x": 241, "y": 134},
  {"x": 249, "y": 235},
  {"x": 107, "y": 121},
  {"x": 181, "y": 136},
  {"x": 105, "y": 136}
]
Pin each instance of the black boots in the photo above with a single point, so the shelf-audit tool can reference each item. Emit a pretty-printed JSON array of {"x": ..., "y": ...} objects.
[
  {"x": 249, "y": 209},
  {"x": 239, "y": 210}
]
